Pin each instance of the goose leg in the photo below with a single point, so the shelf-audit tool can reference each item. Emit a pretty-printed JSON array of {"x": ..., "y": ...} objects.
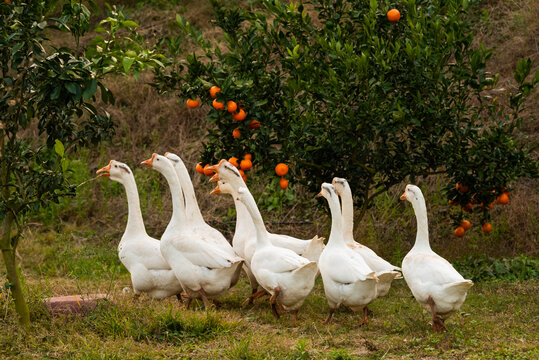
[
  {"x": 179, "y": 297},
  {"x": 273, "y": 302},
  {"x": 136, "y": 297},
  {"x": 207, "y": 303},
  {"x": 364, "y": 320},
  {"x": 254, "y": 295},
  {"x": 188, "y": 303},
  {"x": 295, "y": 318},
  {"x": 437, "y": 321},
  {"x": 330, "y": 316}
]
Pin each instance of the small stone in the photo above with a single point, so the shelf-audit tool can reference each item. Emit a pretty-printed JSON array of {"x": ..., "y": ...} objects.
[{"x": 74, "y": 304}]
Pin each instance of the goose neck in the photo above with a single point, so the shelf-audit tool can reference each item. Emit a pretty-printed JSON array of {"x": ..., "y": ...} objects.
[
  {"x": 135, "y": 223},
  {"x": 422, "y": 236},
  {"x": 347, "y": 214},
  {"x": 178, "y": 204},
  {"x": 244, "y": 223},
  {"x": 336, "y": 234},
  {"x": 191, "y": 204},
  {"x": 261, "y": 232}
]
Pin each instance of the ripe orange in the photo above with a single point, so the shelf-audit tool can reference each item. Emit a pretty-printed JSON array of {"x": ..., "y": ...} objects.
[
  {"x": 214, "y": 90},
  {"x": 503, "y": 199},
  {"x": 199, "y": 168},
  {"x": 462, "y": 188},
  {"x": 255, "y": 124},
  {"x": 248, "y": 156},
  {"x": 281, "y": 169},
  {"x": 486, "y": 228},
  {"x": 236, "y": 133},
  {"x": 239, "y": 116},
  {"x": 218, "y": 105},
  {"x": 284, "y": 183},
  {"x": 243, "y": 176},
  {"x": 234, "y": 161},
  {"x": 393, "y": 15},
  {"x": 459, "y": 231},
  {"x": 231, "y": 106},
  {"x": 465, "y": 224},
  {"x": 468, "y": 207},
  {"x": 193, "y": 103},
  {"x": 245, "y": 164},
  {"x": 207, "y": 171}
]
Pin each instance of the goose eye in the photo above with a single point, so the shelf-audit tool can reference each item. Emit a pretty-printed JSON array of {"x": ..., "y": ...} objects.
[{"x": 115, "y": 166}]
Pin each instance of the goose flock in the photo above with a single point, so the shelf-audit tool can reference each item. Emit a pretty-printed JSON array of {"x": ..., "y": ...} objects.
[{"x": 194, "y": 260}]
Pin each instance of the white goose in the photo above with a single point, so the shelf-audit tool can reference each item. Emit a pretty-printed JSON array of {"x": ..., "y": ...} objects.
[
  {"x": 285, "y": 275},
  {"x": 204, "y": 268},
  {"x": 385, "y": 272},
  {"x": 348, "y": 280},
  {"x": 138, "y": 251},
  {"x": 434, "y": 282},
  {"x": 244, "y": 240},
  {"x": 192, "y": 211}
]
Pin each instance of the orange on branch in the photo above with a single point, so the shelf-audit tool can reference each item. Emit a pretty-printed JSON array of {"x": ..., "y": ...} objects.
[
  {"x": 255, "y": 124},
  {"x": 393, "y": 15},
  {"x": 218, "y": 105},
  {"x": 281, "y": 169},
  {"x": 283, "y": 183},
  {"x": 208, "y": 172},
  {"x": 246, "y": 165},
  {"x": 214, "y": 90},
  {"x": 459, "y": 231},
  {"x": 234, "y": 161},
  {"x": 193, "y": 103},
  {"x": 503, "y": 199},
  {"x": 239, "y": 116},
  {"x": 465, "y": 224},
  {"x": 231, "y": 106}
]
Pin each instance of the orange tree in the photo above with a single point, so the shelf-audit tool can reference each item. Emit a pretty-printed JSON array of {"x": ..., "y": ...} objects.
[
  {"x": 46, "y": 102},
  {"x": 339, "y": 90}
]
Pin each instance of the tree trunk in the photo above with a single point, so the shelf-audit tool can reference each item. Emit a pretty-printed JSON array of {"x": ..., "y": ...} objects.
[{"x": 8, "y": 253}]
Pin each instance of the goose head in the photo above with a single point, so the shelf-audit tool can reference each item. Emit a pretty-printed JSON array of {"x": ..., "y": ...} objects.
[
  {"x": 327, "y": 191},
  {"x": 175, "y": 159},
  {"x": 339, "y": 184},
  {"x": 228, "y": 178},
  {"x": 413, "y": 194},
  {"x": 116, "y": 171},
  {"x": 157, "y": 162}
]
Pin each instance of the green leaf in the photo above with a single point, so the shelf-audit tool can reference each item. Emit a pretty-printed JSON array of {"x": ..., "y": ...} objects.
[
  {"x": 127, "y": 63},
  {"x": 90, "y": 89},
  {"x": 59, "y": 148},
  {"x": 129, "y": 23},
  {"x": 72, "y": 87}
]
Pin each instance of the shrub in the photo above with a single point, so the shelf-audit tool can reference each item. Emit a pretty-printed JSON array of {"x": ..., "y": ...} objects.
[
  {"x": 341, "y": 91},
  {"x": 486, "y": 268}
]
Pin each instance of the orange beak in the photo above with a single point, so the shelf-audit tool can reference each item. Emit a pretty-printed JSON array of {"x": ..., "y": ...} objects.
[
  {"x": 167, "y": 153},
  {"x": 318, "y": 195},
  {"x": 105, "y": 171},
  {"x": 216, "y": 190},
  {"x": 214, "y": 178},
  {"x": 215, "y": 168},
  {"x": 403, "y": 196},
  {"x": 149, "y": 162}
]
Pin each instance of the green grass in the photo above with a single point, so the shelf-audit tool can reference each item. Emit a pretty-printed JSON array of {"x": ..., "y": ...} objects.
[{"x": 496, "y": 321}]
